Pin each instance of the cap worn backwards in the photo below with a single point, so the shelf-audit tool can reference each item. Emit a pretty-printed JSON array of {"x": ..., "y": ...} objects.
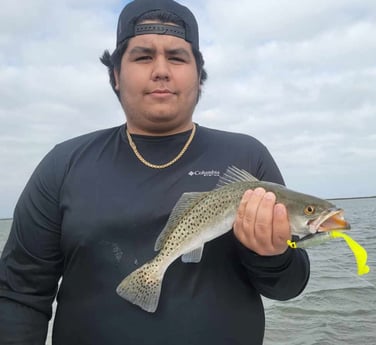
[{"x": 128, "y": 28}]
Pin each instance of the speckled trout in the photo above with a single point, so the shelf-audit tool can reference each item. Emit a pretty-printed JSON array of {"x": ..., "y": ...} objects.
[{"x": 201, "y": 217}]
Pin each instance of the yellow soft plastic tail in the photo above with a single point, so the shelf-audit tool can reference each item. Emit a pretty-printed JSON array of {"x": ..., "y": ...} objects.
[{"x": 358, "y": 251}]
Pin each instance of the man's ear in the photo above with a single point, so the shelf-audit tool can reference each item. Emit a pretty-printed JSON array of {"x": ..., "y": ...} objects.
[{"x": 116, "y": 77}]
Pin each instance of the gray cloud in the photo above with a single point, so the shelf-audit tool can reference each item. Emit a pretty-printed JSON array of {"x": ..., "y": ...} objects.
[{"x": 298, "y": 76}]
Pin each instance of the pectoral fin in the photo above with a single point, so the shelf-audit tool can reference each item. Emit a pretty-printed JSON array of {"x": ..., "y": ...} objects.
[{"x": 194, "y": 256}]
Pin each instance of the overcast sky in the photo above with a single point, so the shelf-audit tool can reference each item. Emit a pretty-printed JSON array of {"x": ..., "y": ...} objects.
[{"x": 298, "y": 75}]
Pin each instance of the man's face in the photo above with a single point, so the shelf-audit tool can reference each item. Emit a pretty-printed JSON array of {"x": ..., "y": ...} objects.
[{"x": 158, "y": 84}]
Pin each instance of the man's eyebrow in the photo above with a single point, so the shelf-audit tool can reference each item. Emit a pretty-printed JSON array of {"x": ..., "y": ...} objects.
[
  {"x": 147, "y": 50},
  {"x": 178, "y": 51},
  {"x": 141, "y": 50}
]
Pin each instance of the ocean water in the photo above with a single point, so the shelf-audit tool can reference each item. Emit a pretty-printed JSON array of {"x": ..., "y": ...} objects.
[{"x": 338, "y": 306}]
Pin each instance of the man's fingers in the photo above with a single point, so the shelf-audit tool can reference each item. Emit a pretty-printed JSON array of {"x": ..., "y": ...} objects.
[
  {"x": 251, "y": 209},
  {"x": 260, "y": 224},
  {"x": 247, "y": 214},
  {"x": 281, "y": 226},
  {"x": 264, "y": 220},
  {"x": 243, "y": 203}
]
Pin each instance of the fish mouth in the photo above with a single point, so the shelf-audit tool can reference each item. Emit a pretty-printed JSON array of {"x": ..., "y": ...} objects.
[{"x": 328, "y": 220}]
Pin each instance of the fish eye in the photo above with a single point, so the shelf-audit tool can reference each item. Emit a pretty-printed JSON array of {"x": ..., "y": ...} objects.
[{"x": 309, "y": 210}]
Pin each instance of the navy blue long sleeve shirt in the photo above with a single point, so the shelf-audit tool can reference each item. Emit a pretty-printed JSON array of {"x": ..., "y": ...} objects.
[{"x": 90, "y": 214}]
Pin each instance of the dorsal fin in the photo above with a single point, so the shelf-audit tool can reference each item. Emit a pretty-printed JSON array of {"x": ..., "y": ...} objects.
[
  {"x": 181, "y": 207},
  {"x": 234, "y": 174}
]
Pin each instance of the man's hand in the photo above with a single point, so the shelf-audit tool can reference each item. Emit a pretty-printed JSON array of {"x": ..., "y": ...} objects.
[{"x": 261, "y": 225}]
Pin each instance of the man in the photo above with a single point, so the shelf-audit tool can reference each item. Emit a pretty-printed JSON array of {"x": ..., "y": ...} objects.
[{"x": 95, "y": 205}]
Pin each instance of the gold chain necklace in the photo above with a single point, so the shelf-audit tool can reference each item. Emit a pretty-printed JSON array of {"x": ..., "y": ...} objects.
[{"x": 162, "y": 166}]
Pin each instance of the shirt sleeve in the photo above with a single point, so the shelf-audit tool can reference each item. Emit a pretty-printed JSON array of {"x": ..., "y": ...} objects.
[
  {"x": 31, "y": 262},
  {"x": 21, "y": 325},
  {"x": 279, "y": 277}
]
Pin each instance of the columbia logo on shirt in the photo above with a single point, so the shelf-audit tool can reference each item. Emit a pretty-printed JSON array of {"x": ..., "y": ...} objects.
[{"x": 209, "y": 173}]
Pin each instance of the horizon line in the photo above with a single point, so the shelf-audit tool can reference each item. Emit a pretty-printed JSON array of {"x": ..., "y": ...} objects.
[{"x": 339, "y": 198}]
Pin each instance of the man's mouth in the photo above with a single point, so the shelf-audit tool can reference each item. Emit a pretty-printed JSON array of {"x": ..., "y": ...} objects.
[{"x": 161, "y": 91}]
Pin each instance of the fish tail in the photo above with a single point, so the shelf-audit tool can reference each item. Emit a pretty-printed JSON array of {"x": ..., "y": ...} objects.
[{"x": 142, "y": 287}]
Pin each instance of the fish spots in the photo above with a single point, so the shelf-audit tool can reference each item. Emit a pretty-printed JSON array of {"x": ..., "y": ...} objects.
[
  {"x": 200, "y": 217},
  {"x": 176, "y": 237},
  {"x": 142, "y": 287}
]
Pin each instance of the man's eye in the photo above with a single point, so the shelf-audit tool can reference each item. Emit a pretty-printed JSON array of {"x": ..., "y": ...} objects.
[
  {"x": 177, "y": 59},
  {"x": 143, "y": 58}
]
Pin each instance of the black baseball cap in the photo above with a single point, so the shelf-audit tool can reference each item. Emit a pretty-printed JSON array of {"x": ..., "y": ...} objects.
[{"x": 128, "y": 28}]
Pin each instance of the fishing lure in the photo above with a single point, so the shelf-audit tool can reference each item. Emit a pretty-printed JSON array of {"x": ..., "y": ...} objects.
[{"x": 359, "y": 252}]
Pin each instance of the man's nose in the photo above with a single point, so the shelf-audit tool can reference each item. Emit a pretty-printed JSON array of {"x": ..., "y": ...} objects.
[{"x": 161, "y": 69}]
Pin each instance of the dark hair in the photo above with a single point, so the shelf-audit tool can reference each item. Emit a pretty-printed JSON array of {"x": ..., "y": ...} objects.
[{"x": 113, "y": 62}]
